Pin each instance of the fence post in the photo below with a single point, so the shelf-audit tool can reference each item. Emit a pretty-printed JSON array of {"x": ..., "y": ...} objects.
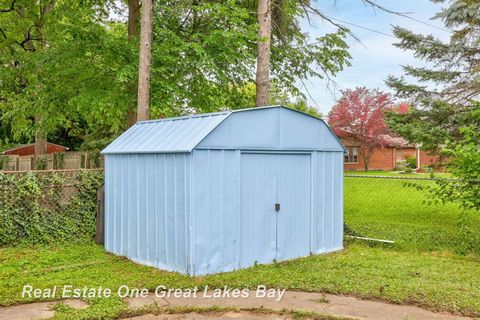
[{"x": 100, "y": 230}]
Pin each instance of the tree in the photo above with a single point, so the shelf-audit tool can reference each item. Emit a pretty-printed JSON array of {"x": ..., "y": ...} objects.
[
  {"x": 132, "y": 30},
  {"x": 263, "y": 52},
  {"x": 83, "y": 83},
  {"x": 145, "y": 68},
  {"x": 74, "y": 76},
  {"x": 360, "y": 115},
  {"x": 446, "y": 118},
  {"x": 448, "y": 80}
]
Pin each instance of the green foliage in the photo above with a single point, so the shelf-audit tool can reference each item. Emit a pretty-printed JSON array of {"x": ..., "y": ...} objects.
[
  {"x": 47, "y": 208},
  {"x": 411, "y": 162},
  {"x": 40, "y": 163},
  {"x": 439, "y": 281},
  {"x": 58, "y": 160},
  {"x": 71, "y": 69},
  {"x": 4, "y": 160},
  {"x": 202, "y": 55},
  {"x": 72, "y": 66},
  {"x": 445, "y": 119},
  {"x": 443, "y": 90},
  {"x": 406, "y": 212}
]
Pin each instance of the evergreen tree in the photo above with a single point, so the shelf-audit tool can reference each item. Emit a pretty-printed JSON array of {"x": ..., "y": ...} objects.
[{"x": 447, "y": 84}]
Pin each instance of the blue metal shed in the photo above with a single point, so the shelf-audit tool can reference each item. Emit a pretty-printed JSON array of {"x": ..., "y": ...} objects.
[{"x": 217, "y": 192}]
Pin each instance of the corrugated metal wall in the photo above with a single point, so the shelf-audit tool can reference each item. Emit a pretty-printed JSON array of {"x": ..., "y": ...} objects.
[
  {"x": 221, "y": 213},
  {"x": 327, "y": 223},
  {"x": 216, "y": 217},
  {"x": 213, "y": 209},
  {"x": 147, "y": 208}
]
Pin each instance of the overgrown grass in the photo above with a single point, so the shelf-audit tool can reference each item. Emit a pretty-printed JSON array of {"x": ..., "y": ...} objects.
[
  {"x": 439, "y": 281},
  {"x": 389, "y": 209}
]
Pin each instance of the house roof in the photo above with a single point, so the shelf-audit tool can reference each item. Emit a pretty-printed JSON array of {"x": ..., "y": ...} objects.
[
  {"x": 29, "y": 145},
  {"x": 388, "y": 140},
  {"x": 174, "y": 135},
  {"x": 395, "y": 141}
]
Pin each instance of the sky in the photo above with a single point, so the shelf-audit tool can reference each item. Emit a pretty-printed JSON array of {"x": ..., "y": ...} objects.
[{"x": 375, "y": 57}]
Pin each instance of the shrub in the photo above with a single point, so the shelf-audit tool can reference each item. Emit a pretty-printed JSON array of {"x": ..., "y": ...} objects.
[
  {"x": 411, "y": 162},
  {"x": 48, "y": 208}
]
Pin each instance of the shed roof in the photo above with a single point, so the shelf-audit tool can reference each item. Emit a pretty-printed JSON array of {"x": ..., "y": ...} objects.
[{"x": 175, "y": 135}]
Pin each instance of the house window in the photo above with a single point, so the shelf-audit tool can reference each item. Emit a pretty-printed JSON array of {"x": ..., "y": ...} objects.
[{"x": 352, "y": 155}]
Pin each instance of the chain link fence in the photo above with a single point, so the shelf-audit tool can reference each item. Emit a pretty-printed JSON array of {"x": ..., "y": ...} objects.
[
  {"x": 48, "y": 207},
  {"x": 400, "y": 209},
  {"x": 55, "y": 206}
]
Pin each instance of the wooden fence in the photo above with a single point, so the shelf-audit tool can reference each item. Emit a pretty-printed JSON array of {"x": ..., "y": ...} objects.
[{"x": 52, "y": 161}]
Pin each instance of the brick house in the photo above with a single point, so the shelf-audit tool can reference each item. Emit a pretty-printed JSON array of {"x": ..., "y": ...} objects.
[{"x": 385, "y": 158}]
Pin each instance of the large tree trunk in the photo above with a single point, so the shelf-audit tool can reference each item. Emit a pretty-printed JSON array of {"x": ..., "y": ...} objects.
[
  {"x": 144, "y": 69},
  {"x": 133, "y": 28},
  {"x": 263, "y": 52},
  {"x": 133, "y": 15},
  {"x": 40, "y": 146}
]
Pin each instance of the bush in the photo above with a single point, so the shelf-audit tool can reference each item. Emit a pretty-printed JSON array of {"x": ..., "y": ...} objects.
[
  {"x": 411, "y": 162},
  {"x": 48, "y": 208},
  {"x": 408, "y": 170}
]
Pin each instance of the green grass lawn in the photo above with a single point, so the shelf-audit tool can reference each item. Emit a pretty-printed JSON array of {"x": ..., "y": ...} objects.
[
  {"x": 388, "y": 209},
  {"x": 428, "y": 265},
  {"x": 437, "y": 281}
]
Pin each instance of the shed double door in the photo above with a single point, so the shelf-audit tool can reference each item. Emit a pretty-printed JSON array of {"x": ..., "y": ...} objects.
[{"x": 274, "y": 207}]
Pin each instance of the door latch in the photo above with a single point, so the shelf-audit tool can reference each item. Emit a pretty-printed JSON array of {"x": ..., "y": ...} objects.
[{"x": 277, "y": 207}]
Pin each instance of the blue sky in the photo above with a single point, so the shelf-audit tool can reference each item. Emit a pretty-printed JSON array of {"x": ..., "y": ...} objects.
[{"x": 375, "y": 57}]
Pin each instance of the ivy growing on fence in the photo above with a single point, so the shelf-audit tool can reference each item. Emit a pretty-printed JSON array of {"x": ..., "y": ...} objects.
[{"x": 48, "y": 208}]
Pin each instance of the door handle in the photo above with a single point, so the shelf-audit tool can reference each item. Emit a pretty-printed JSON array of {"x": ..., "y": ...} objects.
[{"x": 277, "y": 207}]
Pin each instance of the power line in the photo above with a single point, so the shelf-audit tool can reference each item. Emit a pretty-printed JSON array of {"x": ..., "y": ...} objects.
[
  {"x": 362, "y": 27},
  {"x": 405, "y": 15}
]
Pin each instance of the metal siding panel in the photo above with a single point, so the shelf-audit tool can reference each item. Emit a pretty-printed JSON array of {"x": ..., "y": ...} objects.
[
  {"x": 151, "y": 193},
  {"x": 161, "y": 203},
  {"x": 277, "y": 128},
  {"x": 151, "y": 214},
  {"x": 170, "y": 210},
  {"x": 313, "y": 202},
  {"x": 109, "y": 217},
  {"x": 215, "y": 214},
  {"x": 258, "y": 193},
  {"x": 294, "y": 194},
  {"x": 230, "y": 204},
  {"x": 215, "y": 203},
  {"x": 125, "y": 185},
  {"x": 114, "y": 201},
  {"x": 141, "y": 209},
  {"x": 328, "y": 202},
  {"x": 200, "y": 219},
  {"x": 249, "y": 129},
  {"x": 338, "y": 198},
  {"x": 180, "y": 212},
  {"x": 132, "y": 213},
  {"x": 319, "y": 245}
]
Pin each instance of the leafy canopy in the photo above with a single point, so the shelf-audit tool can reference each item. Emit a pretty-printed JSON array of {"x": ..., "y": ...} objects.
[{"x": 72, "y": 65}]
